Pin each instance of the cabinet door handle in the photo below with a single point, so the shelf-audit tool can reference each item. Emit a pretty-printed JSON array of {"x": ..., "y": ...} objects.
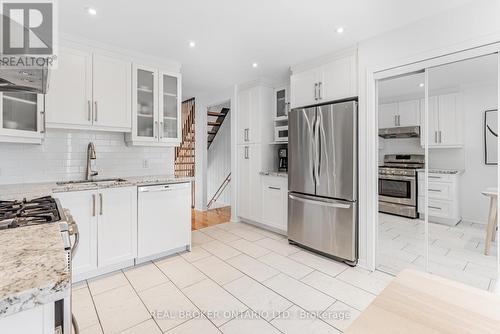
[
  {"x": 95, "y": 111},
  {"x": 89, "y": 110},
  {"x": 161, "y": 130},
  {"x": 247, "y": 155},
  {"x": 316, "y": 91},
  {"x": 440, "y": 141},
  {"x": 274, "y": 188},
  {"x": 399, "y": 120},
  {"x": 435, "y": 137},
  {"x": 434, "y": 177},
  {"x": 155, "y": 129},
  {"x": 247, "y": 134},
  {"x": 100, "y": 204},
  {"x": 320, "y": 85},
  {"x": 93, "y": 205},
  {"x": 435, "y": 190},
  {"x": 434, "y": 207},
  {"x": 44, "y": 126}
]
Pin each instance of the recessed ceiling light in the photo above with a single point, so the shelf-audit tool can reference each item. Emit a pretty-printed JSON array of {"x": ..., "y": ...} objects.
[
  {"x": 91, "y": 11},
  {"x": 340, "y": 30},
  {"x": 255, "y": 65},
  {"x": 421, "y": 85},
  {"x": 192, "y": 44}
]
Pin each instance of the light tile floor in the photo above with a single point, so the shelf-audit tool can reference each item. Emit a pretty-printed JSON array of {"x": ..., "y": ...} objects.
[
  {"x": 237, "y": 279},
  {"x": 455, "y": 252}
]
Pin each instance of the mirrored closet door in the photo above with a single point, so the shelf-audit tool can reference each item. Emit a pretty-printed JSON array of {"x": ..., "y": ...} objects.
[{"x": 439, "y": 128}]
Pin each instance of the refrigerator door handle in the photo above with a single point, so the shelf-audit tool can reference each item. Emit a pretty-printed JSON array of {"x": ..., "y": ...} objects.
[
  {"x": 320, "y": 202},
  {"x": 317, "y": 154}
]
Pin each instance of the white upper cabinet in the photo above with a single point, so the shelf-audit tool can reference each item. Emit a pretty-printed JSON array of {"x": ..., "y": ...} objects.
[
  {"x": 156, "y": 107},
  {"x": 445, "y": 119},
  {"x": 338, "y": 79},
  {"x": 69, "y": 99},
  {"x": 304, "y": 88},
  {"x": 255, "y": 110},
  {"x": 170, "y": 107},
  {"x": 89, "y": 91},
  {"x": 409, "y": 113},
  {"x": 329, "y": 82},
  {"x": 111, "y": 92},
  {"x": 244, "y": 109},
  {"x": 403, "y": 113},
  {"x": 22, "y": 117},
  {"x": 387, "y": 115},
  {"x": 145, "y": 104},
  {"x": 450, "y": 121}
]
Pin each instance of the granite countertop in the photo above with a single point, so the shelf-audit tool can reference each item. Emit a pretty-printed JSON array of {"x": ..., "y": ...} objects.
[
  {"x": 274, "y": 173},
  {"x": 33, "y": 268},
  {"x": 33, "y": 264},
  {"x": 33, "y": 190},
  {"x": 442, "y": 171}
]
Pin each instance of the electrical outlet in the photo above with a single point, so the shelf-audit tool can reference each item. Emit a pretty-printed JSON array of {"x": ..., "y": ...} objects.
[{"x": 145, "y": 163}]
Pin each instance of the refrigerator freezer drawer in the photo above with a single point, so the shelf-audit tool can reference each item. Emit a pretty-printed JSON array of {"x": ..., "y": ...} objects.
[{"x": 326, "y": 225}]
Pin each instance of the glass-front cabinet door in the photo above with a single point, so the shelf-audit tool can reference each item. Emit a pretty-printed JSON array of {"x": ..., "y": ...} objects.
[
  {"x": 170, "y": 107},
  {"x": 145, "y": 103},
  {"x": 281, "y": 103},
  {"x": 21, "y": 117}
]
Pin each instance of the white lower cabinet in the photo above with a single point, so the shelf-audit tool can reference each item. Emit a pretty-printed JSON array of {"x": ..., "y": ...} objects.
[
  {"x": 275, "y": 202},
  {"x": 37, "y": 320},
  {"x": 117, "y": 226},
  {"x": 251, "y": 160},
  {"x": 443, "y": 195},
  {"x": 164, "y": 219},
  {"x": 83, "y": 207},
  {"x": 107, "y": 223}
]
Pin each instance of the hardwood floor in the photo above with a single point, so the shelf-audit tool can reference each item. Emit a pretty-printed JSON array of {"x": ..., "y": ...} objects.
[{"x": 202, "y": 219}]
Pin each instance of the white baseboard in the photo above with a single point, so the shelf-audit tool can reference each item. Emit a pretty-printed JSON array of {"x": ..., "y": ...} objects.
[
  {"x": 161, "y": 255},
  {"x": 472, "y": 221}
]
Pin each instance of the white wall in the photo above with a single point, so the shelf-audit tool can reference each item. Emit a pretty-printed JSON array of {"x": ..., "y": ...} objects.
[
  {"x": 62, "y": 156},
  {"x": 473, "y": 24},
  {"x": 219, "y": 163}
]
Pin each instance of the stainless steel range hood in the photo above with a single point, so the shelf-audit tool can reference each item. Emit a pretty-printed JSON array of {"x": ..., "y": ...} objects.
[
  {"x": 400, "y": 132},
  {"x": 24, "y": 80}
]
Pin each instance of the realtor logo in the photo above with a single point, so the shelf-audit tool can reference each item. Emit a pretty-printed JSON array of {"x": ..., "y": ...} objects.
[
  {"x": 27, "y": 28},
  {"x": 28, "y": 37}
]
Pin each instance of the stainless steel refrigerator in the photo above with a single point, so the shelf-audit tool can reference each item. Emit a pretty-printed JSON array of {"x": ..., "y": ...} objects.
[{"x": 323, "y": 179}]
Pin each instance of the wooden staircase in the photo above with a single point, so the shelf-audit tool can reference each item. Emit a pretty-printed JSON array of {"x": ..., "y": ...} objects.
[
  {"x": 215, "y": 120},
  {"x": 184, "y": 154}
]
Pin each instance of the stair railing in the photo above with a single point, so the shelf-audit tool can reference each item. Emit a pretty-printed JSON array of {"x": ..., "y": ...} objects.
[
  {"x": 219, "y": 191},
  {"x": 187, "y": 131}
]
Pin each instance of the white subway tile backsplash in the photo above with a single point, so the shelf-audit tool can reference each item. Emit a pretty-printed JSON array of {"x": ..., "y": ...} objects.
[{"x": 62, "y": 156}]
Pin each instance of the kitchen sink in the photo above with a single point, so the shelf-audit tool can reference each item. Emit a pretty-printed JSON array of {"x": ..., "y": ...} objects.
[{"x": 65, "y": 183}]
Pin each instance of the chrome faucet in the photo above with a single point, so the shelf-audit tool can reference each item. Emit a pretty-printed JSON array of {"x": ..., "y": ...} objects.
[{"x": 90, "y": 156}]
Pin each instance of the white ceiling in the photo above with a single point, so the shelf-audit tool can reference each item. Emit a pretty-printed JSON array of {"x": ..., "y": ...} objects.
[
  {"x": 232, "y": 34},
  {"x": 481, "y": 70}
]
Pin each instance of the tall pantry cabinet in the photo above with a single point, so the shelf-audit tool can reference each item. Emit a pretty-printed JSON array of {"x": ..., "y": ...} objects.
[{"x": 254, "y": 134}]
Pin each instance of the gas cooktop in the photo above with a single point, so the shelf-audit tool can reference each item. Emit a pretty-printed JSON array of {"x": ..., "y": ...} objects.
[{"x": 24, "y": 212}]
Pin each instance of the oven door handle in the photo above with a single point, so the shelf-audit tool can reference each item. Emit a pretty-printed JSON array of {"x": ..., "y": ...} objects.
[{"x": 397, "y": 177}]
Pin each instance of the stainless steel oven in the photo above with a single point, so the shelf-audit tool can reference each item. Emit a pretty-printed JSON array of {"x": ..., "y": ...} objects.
[
  {"x": 397, "y": 189},
  {"x": 397, "y": 185}
]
